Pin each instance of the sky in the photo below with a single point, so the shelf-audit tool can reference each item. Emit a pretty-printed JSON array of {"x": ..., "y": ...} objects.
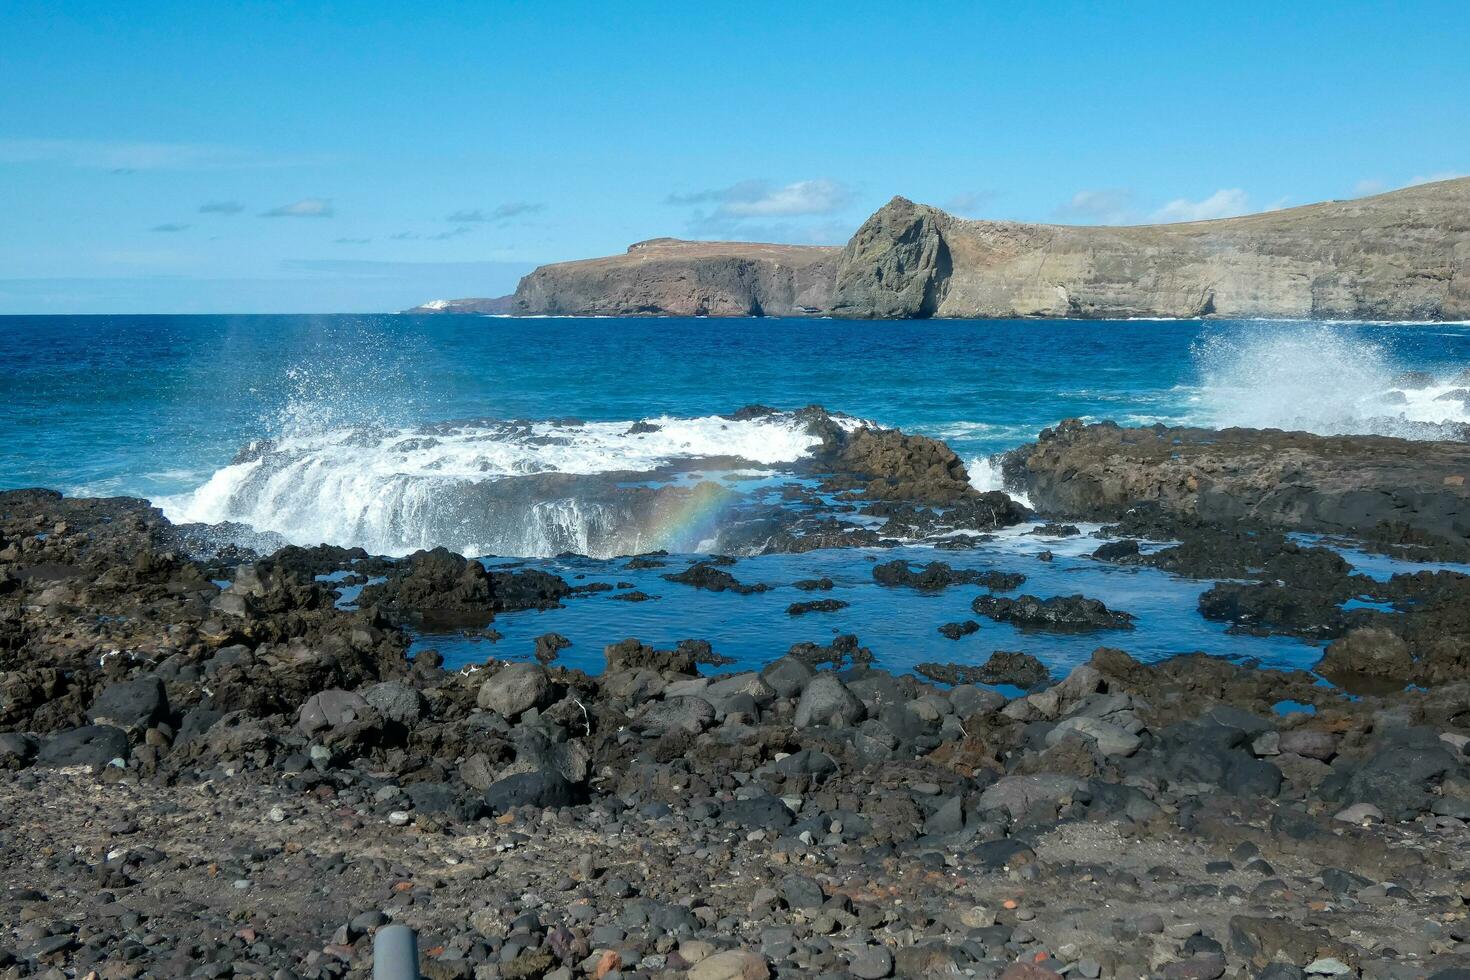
[{"x": 367, "y": 156}]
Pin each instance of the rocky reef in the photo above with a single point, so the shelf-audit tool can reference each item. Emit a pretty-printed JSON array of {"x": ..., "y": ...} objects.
[
  {"x": 1395, "y": 256},
  {"x": 217, "y": 766}
]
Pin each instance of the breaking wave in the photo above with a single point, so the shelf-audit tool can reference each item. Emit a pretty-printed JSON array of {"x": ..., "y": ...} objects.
[
  {"x": 491, "y": 487},
  {"x": 1330, "y": 380}
]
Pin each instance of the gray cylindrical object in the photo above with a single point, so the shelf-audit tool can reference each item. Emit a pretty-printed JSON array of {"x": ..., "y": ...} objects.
[{"x": 396, "y": 954}]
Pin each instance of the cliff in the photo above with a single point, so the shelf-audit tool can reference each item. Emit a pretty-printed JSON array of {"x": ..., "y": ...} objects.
[
  {"x": 670, "y": 277},
  {"x": 1404, "y": 255}
]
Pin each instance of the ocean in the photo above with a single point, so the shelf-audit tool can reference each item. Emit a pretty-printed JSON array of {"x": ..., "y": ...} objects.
[{"x": 371, "y": 431}]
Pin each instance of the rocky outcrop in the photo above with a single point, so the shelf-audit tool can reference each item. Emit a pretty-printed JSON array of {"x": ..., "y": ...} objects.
[
  {"x": 897, "y": 265},
  {"x": 1404, "y": 255},
  {"x": 1410, "y": 493},
  {"x": 485, "y": 306},
  {"x": 669, "y": 277}
]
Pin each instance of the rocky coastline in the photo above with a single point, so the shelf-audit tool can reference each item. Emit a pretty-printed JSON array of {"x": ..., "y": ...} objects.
[
  {"x": 213, "y": 766},
  {"x": 1394, "y": 256}
]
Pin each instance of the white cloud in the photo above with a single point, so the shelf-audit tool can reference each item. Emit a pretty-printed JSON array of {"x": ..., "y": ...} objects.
[
  {"x": 1224, "y": 203},
  {"x": 1105, "y": 206},
  {"x": 307, "y": 207},
  {"x": 762, "y": 199},
  {"x": 501, "y": 212},
  {"x": 1433, "y": 178},
  {"x": 221, "y": 207},
  {"x": 1366, "y": 188}
]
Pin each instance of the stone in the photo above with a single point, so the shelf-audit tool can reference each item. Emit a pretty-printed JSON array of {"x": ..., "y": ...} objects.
[
  {"x": 801, "y": 892},
  {"x": 542, "y": 788},
  {"x": 872, "y": 962},
  {"x": 1359, "y": 813},
  {"x": 396, "y": 701},
  {"x": 130, "y": 705},
  {"x": 826, "y": 701},
  {"x": 516, "y": 689},
  {"x": 330, "y": 709},
  {"x": 732, "y": 964},
  {"x": 90, "y": 745}
]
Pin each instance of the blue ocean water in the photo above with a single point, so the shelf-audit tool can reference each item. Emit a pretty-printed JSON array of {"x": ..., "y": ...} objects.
[{"x": 160, "y": 406}]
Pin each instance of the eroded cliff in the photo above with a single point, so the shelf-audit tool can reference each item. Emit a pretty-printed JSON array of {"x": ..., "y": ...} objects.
[
  {"x": 1404, "y": 255},
  {"x": 670, "y": 277}
]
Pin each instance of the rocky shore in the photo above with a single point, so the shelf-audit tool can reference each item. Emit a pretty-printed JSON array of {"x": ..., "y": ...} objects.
[
  {"x": 1394, "y": 256},
  {"x": 214, "y": 766}
]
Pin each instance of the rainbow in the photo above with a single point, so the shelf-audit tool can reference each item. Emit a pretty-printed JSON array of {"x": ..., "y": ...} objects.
[{"x": 685, "y": 517}]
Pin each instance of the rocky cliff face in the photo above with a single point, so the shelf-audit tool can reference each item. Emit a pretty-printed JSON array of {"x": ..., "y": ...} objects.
[
  {"x": 1404, "y": 255},
  {"x": 670, "y": 277}
]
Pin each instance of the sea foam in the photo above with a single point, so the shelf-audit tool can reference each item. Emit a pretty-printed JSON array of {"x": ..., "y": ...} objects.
[
  {"x": 392, "y": 490},
  {"x": 1330, "y": 380}
]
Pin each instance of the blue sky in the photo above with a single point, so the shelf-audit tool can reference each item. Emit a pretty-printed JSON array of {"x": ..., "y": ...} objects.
[{"x": 212, "y": 157}]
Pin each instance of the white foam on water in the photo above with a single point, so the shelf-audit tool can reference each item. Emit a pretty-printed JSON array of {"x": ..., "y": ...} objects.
[
  {"x": 985, "y": 476},
  {"x": 391, "y": 489},
  {"x": 1322, "y": 379}
]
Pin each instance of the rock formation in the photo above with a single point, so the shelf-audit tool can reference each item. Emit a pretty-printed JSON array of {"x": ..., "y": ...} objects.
[
  {"x": 669, "y": 277},
  {"x": 1403, "y": 255}
]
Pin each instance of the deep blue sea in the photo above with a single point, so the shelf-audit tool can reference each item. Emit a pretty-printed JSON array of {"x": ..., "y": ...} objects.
[{"x": 354, "y": 429}]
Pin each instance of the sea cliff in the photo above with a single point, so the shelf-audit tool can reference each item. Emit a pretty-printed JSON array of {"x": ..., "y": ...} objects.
[{"x": 1403, "y": 255}]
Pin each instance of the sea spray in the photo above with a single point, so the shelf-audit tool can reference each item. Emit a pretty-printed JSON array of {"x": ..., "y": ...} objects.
[
  {"x": 1331, "y": 380},
  {"x": 470, "y": 486}
]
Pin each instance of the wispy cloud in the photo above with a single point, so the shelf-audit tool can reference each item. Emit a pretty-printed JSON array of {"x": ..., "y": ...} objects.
[
  {"x": 763, "y": 199},
  {"x": 442, "y": 236},
  {"x": 221, "y": 207},
  {"x": 501, "y": 212},
  {"x": 307, "y": 207},
  {"x": 352, "y": 241},
  {"x": 1434, "y": 178},
  {"x": 1224, "y": 203},
  {"x": 746, "y": 210},
  {"x": 169, "y": 227},
  {"x": 125, "y": 157},
  {"x": 1104, "y": 206}
]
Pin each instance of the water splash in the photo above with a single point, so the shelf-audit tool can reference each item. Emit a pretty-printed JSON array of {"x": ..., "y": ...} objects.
[
  {"x": 1331, "y": 380},
  {"x": 489, "y": 487}
]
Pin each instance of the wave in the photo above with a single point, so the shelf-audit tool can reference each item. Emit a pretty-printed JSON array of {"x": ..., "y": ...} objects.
[
  {"x": 490, "y": 487},
  {"x": 1327, "y": 380}
]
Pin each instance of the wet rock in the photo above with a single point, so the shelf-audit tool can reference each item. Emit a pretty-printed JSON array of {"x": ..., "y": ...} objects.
[
  {"x": 1074, "y": 613},
  {"x": 817, "y": 605},
  {"x": 1003, "y": 667},
  {"x": 938, "y": 575},
  {"x": 705, "y": 575},
  {"x": 1370, "y": 652},
  {"x": 955, "y": 631}
]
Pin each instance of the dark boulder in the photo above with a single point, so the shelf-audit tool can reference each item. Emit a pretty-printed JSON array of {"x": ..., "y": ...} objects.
[
  {"x": 91, "y": 745},
  {"x": 1067, "y": 614}
]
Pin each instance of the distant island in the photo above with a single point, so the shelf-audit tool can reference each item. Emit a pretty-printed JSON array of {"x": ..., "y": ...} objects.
[{"x": 1403, "y": 255}]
